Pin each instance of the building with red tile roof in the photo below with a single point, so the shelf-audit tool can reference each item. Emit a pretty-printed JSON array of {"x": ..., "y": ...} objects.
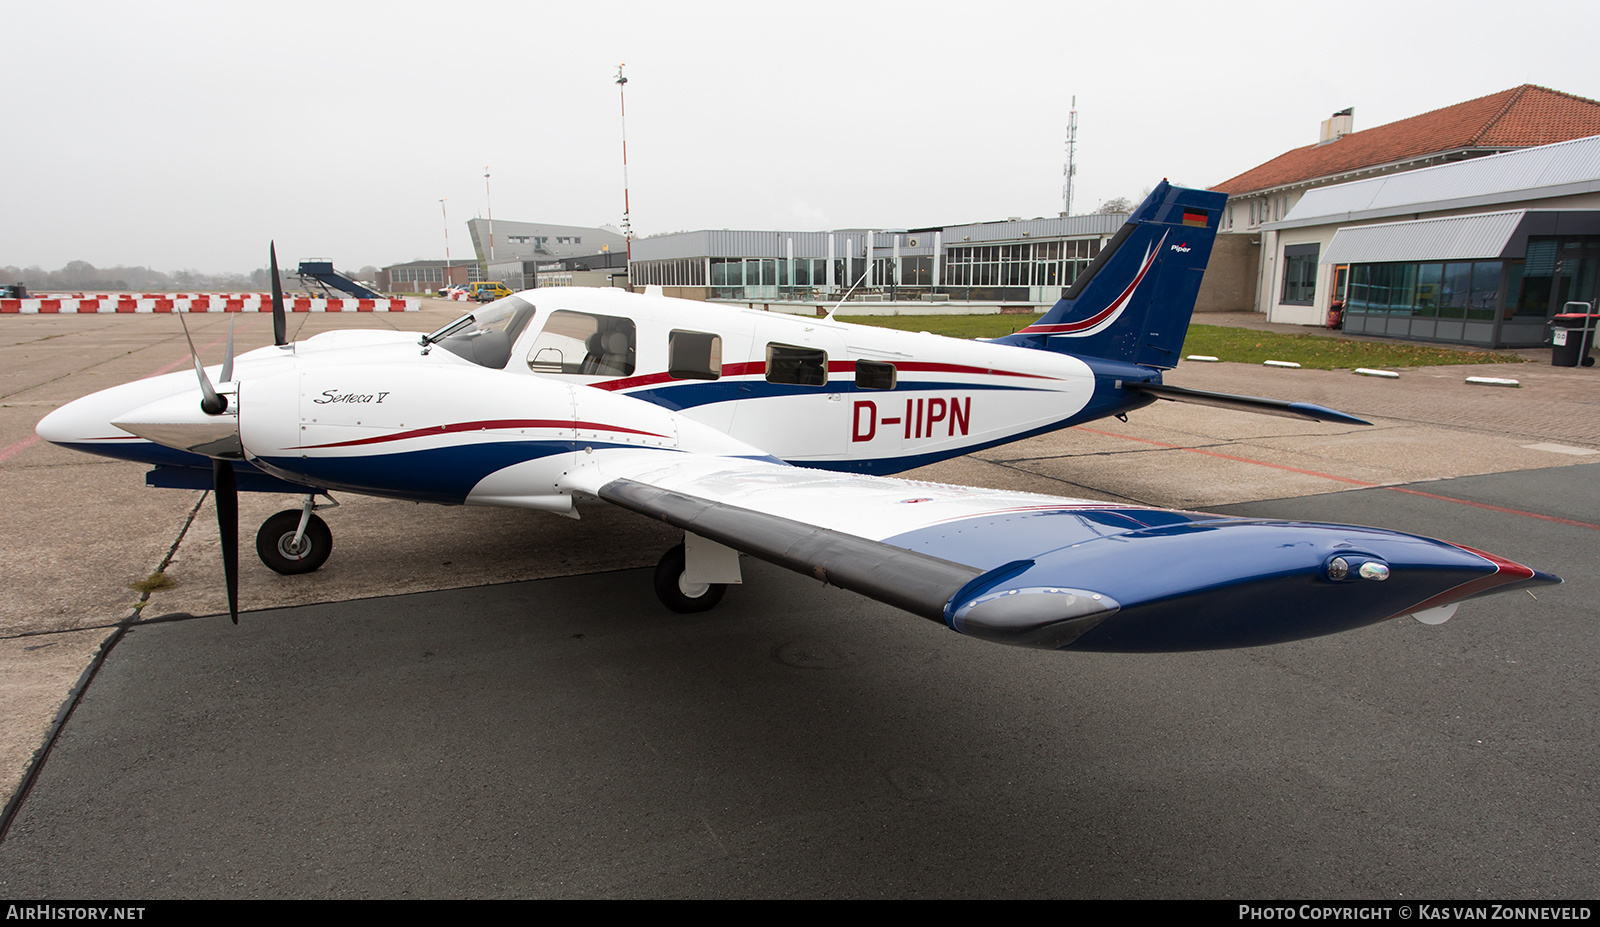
[
  {"x": 1521, "y": 117},
  {"x": 1263, "y": 196}
]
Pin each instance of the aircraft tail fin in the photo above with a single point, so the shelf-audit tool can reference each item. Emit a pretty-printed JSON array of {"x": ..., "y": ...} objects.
[{"x": 1134, "y": 301}]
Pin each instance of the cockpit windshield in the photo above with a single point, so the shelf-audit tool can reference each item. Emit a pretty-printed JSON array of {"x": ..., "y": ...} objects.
[{"x": 485, "y": 336}]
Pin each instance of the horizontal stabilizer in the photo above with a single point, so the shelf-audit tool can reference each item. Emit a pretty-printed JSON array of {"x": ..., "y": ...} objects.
[{"x": 1281, "y": 407}]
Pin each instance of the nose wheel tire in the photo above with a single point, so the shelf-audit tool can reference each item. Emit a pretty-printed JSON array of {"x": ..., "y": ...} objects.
[
  {"x": 678, "y": 595},
  {"x": 277, "y": 549}
]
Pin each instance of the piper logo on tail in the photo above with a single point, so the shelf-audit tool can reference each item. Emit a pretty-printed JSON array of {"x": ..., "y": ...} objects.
[{"x": 1182, "y": 249}]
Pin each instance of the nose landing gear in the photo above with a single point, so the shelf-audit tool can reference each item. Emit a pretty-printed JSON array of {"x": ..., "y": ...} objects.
[{"x": 293, "y": 542}]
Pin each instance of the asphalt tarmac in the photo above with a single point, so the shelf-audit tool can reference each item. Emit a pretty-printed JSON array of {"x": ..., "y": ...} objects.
[{"x": 565, "y": 737}]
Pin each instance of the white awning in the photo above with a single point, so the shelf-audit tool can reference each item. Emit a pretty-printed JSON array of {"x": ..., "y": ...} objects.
[{"x": 1449, "y": 238}]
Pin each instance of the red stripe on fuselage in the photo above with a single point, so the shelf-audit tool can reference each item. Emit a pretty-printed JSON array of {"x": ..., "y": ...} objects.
[{"x": 490, "y": 425}]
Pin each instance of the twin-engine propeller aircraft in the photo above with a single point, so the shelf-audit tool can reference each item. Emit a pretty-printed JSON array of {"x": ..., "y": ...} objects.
[{"x": 773, "y": 435}]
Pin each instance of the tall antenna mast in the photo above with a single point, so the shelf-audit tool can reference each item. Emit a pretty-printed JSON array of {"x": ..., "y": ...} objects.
[
  {"x": 490, "y": 201},
  {"x": 446, "y": 216},
  {"x": 622, "y": 98},
  {"x": 1070, "y": 168}
]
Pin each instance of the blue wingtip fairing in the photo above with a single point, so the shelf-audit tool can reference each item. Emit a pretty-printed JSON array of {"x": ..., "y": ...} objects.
[
  {"x": 1134, "y": 302},
  {"x": 1222, "y": 583}
]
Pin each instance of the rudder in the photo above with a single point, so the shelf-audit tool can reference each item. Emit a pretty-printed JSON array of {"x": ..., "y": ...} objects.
[{"x": 1134, "y": 301}]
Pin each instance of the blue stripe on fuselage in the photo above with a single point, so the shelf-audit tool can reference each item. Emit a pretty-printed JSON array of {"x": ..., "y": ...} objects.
[
  {"x": 148, "y": 452},
  {"x": 444, "y": 475}
]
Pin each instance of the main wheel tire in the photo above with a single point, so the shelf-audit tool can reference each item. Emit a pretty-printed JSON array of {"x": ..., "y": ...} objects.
[
  {"x": 275, "y": 543},
  {"x": 679, "y": 596}
]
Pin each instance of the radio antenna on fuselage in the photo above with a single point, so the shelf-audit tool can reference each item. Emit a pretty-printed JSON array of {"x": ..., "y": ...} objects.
[{"x": 847, "y": 293}]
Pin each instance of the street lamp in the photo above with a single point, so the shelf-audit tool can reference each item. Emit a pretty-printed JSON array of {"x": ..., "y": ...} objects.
[
  {"x": 446, "y": 217},
  {"x": 490, "y": 201},
  {"x": 622, "y": 100}
]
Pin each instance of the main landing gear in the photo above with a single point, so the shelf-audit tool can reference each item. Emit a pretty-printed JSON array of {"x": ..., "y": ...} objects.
[
  {"x": 677, "y": 593},
  {"x": 293, "y": 542}
]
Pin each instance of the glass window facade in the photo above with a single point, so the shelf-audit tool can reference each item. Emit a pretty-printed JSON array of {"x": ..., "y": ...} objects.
[
  {"x": 960, "y": 272},
  {"x": 1039, "y": 263},
  {"x": 1445, "y": 290},
  {"x": 678, "y": 272}
]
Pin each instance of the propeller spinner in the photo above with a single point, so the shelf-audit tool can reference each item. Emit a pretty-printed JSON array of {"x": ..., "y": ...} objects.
[{"x": 211, "y": 429}]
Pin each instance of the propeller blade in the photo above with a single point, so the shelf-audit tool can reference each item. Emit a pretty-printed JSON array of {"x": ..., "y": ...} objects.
[
  {"x": 226, "y": 490},
  {"x": 227, "y": 362},
  {"x": 212, "y": 404},
  {"x": 280, "y": 325}
]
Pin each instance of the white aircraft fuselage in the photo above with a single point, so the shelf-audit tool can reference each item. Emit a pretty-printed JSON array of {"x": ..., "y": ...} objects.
[{"x": 722, "y": 420}]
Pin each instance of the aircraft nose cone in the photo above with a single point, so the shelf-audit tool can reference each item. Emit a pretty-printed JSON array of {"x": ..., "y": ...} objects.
[
  {"x": 69, "y": 425},
  {"x": 179, "y": 422},
  {"x": 87, "y": 420},
  {"x": 85, "y": 423}
]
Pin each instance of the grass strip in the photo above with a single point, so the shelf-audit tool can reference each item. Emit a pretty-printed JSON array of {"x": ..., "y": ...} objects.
[{"x": 1242, "y": 345}]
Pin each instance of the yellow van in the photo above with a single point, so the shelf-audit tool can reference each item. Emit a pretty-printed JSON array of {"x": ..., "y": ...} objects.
[{"x": 487, "y": 292}]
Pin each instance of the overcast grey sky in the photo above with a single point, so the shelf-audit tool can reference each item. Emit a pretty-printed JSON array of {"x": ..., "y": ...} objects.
[{"x": 184, "y": 135}]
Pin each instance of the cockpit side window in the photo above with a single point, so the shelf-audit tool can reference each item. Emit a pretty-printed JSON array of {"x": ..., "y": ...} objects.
[{"x": 584, "y": 344}]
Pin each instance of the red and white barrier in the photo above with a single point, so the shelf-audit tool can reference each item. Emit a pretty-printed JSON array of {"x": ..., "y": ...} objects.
[{"x": 198, "y": 302}]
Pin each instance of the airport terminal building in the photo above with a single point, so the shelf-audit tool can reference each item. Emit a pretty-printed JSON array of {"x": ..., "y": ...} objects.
[
  {"x": 1482, "y": 252},
  {"x": 1021, "y": 262},
  {"x": 523, "y": 255},
  {"x": 1479, "y": 281},
  {"x": 428, "y": 276}
]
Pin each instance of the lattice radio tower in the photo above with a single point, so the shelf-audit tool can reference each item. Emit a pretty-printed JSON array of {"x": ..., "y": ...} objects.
[{"x": 1070, "y": 168}]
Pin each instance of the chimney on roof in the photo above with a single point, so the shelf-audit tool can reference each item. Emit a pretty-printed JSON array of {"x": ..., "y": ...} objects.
[{"x": 1338, "y": 125}]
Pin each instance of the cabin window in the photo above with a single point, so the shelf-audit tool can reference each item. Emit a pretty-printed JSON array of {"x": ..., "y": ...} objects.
[
  {"x": 874, "y": 375},
  {"x": 787, "y": 363},
  {"x": 584, "y": 344},
  {"x": 694, "y": 356}
]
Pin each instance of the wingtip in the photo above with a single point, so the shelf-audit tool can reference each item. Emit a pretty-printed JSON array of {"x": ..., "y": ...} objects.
[{"x": 1325, "y": 414}]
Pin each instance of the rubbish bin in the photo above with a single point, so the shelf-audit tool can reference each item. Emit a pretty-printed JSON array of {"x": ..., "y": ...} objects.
[{"x": 1571, "y": 337}]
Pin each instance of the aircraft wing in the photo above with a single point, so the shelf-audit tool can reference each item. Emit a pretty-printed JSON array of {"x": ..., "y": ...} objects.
[{"x": 1051, "y": 572}]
